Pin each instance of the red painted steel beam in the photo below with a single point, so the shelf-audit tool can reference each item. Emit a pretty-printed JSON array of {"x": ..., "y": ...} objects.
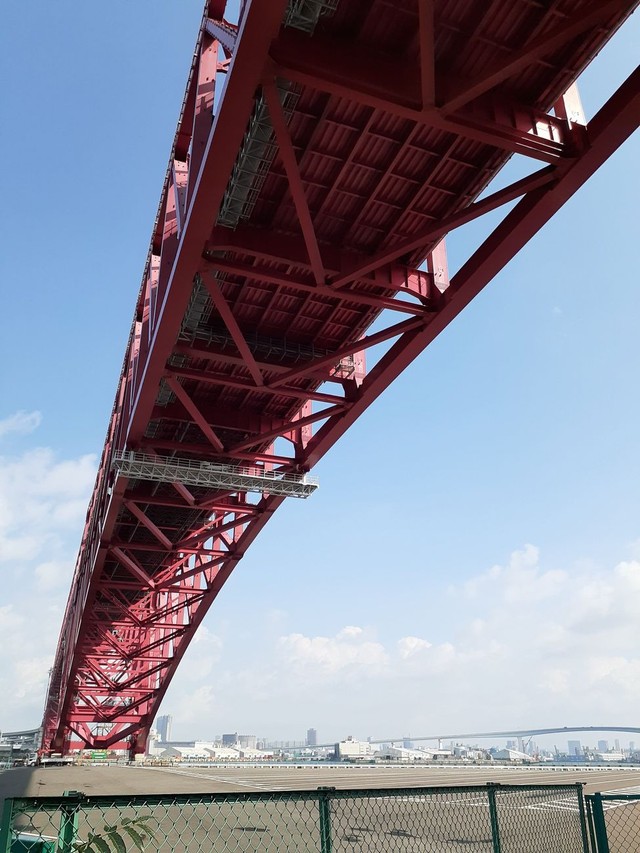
[
  {"x": 223, "y": 381},
  {"x": 385, "y": 85},
  {"x": 259, "y": 26},
  {"x": 207, "y": 452},
  {"x": 210, "y": 354},
  {"x": 290, "y": 251},
  {"x": 195, "y": 413},
  {"x": 129, "y": 563},
  {"x": 261, "y": 438},
  {"x": 541, "y": 178},
  {"x": 426, "y": 43},
  {"x": 453, "y": 96},
  {"x": 146, "y": 521},
  {"x": 333, "y": 358},
  {"x": 288, "y": 157},
  {"x": 205, "y": 85},
  {"x": 224, "y": 32},
  {"x": 230, "y": 505},
  {"x": 268, "y": 507},
  {"x": 264, "y": 274},
  {"x": 230, "y": 322},
  {"x": 228, "y": 418},
  {"x": 613, "y": 124},
  {"x": 267, "y": 245}
]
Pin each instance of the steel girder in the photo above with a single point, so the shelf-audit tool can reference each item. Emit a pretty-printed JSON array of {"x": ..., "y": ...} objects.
[{"x": 152, "y": 560}]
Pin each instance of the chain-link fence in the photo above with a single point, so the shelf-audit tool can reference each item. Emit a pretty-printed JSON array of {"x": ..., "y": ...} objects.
[
  {"x": 479, "y": 819},
  {"x": 614, "y": 822}
]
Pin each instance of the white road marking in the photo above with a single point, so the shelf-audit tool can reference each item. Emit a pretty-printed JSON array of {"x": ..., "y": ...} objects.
[{"x": 240, "y": 782}]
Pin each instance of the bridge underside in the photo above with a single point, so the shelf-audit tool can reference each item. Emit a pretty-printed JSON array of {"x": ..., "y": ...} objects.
[{"x": 351, "y": 136}]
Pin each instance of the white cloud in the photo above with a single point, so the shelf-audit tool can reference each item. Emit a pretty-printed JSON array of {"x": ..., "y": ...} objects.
[
  {"x": 524, "y": 642},
  {"x": 329, "y": 655},
  {"x": 53, "y": 574},
  {"x": 527, "y": 645},
  {"x": 9, "y": 619},
  {"x": 20, "y": 422},
  {"x": 191, "y": 698},
  {"x": 41, "y": 499},
  {"x": 196, "y": 709},
  {"x": 43, "y": 502},
  {"x": 410, "y": 646},
  {"x": 519, "y": 581},
  {"x": 30, "y": 678},
  {"x": 349, "y": 632}
]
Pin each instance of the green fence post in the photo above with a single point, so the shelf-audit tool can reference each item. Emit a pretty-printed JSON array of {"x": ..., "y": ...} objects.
[
  {"x": 493, "y": 814},
  {"x": 583, "y": 816},
  {"x": 68, "y": 822},
  {"x": 599, "y": 825},
  {"x": 324, "y": 807},
  {"x": 592, "y": 834},
  {"x": 5, "y": 826}
]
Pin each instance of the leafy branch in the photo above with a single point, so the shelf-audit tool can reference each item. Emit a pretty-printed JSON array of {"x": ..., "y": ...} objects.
[{"x": 116, "y": 838}]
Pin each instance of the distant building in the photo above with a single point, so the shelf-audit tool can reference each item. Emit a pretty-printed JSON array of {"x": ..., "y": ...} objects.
[
  {"x": 198, "y": 751},
  {"x": 353, "y": 749},
  {"x": 575, "y": 747},
  {"x": 163, "y": 726},
  {"x": 397, "y": 753},
  {"x": 469, "y": 752},
  {"x": 603, "y": 746},
  {"x": 312, "y": 737},
  {"x": 610, "y": 755},
  {"x": 241, "y": 741},
  {"x": 407, "y": 743},
  {"x": 511, "y": 755}
]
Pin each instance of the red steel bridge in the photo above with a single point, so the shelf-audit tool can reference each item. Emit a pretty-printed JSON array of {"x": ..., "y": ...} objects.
[{"x": 301, "y": 223}]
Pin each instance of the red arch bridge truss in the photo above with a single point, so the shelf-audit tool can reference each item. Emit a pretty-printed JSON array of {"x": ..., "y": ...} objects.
[{"x": 348, "y": 138}]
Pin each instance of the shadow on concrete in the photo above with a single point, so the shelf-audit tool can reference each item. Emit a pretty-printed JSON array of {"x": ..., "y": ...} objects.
[{"x": 19, "y": 782}]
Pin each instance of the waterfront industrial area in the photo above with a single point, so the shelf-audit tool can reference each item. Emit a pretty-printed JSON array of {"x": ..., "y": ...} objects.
[{"x": 500, "y": 748}]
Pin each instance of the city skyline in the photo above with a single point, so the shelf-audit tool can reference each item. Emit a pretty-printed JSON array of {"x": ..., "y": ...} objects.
[
  {"x": 617, "y": 739},
  {"x": 473, "y": 552}
]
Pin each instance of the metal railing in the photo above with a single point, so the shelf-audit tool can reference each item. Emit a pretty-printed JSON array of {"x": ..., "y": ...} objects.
[
  {"x": 478, "y": 819},
  {"x": 614, "y": 822},
  {"x": 166, "y": 469}
]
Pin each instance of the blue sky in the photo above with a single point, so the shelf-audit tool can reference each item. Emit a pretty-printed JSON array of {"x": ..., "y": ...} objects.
[{"x": 475, "y": 536}]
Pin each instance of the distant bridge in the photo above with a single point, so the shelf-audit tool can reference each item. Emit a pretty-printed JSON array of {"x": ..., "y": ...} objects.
[{"x": 508, "y": 733}]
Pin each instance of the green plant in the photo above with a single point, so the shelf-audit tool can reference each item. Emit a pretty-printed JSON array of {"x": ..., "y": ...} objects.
[{"x": 117, "y": 838}]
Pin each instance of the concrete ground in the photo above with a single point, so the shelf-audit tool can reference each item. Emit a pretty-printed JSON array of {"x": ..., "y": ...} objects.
[{"x": 115, "y": 779}]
